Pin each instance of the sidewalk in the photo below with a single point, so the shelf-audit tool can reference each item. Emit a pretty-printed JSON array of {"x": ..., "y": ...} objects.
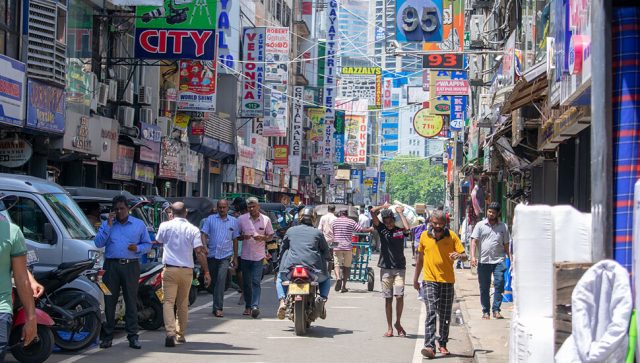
[{"x": 489, "y": 338}]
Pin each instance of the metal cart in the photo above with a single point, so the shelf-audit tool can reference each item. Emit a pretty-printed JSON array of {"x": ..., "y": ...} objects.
[{"x": 360, "y": 270}]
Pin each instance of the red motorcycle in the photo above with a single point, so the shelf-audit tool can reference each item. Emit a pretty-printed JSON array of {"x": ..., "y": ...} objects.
[{"x": 41, "y": 347}]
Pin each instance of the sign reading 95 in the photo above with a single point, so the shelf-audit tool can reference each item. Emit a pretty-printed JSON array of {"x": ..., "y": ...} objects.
[{"x": 419, "y": 21}]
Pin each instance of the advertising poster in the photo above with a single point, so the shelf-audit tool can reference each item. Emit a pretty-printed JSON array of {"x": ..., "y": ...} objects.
[
  {"x": 151, "y": 136},
  {"x": 179, "y": 29},
  {"x": 245, "y": 156},
  {"x": 144, "y": 173},
  {"x": 419, "y": 20},
  {"x": 426, "y": 124},
  {"x": 448, "y": 83},
  {"x": 355, "y": 131},
  {"x": 281, "y": 155},
  {"x": 45, "y": 109},
  {"x": 169, "y": 158},
  {"x": 452, "y": 27},
  {"x": 253, "y": 73},
  {"x": 276, "y": 121},
  {"x": 12, "y": 91},
  {"x": 316, "y": 115},
  {"x": 197, "y": 90},
  {"x": 277, "y": 55},
  {"x": 363, "y": 83},
  {"x": 339, "y": 136},
  {"x": 124, "y": 164},
  {"x": 297, "y": 131},
  {"x": 259, "y": 144}
]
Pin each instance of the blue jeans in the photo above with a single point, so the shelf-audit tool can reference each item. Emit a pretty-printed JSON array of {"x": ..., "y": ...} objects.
[
  {"x": 251, "y": 278},
  {"x": 325, "y": 287},
  {"x": 5, "y": 329},
  {"x": 485, "y": 270}
]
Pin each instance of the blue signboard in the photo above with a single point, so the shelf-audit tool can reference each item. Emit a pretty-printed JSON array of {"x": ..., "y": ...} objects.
[
  {"x": 383, "y": 177},
  {"x": 458, "y": 113},
  {"x": 419, "y": 20},
  {"x": 374, "y": 185},
  {"x": 45, "y": 108},
  {"x": 11, "y": 91}
]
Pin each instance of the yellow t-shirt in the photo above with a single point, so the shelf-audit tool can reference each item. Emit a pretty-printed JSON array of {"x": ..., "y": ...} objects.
[{"x": 438, "y": 267}]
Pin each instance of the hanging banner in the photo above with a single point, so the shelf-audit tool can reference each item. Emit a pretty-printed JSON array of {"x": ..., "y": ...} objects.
[
  {"x": 452, "y": 27},
  {"x": 277, "y": 55},
  {"x": 329, "y": 95},
  {"x": 144, "y": 173},
  {"x": 176, "y": 30},
  {"x": 197, "y": 91},
  {"x": 458, "y": 113},
  {"x": 355, "y": 127},
  {"x": 169, "y": 158},
  {"x": 253, "y": 73},
  {"x": 339, "y": 136},
  {"x": 281, "y": 155},
  {"x": 12, "y": 91},
  {"x": 151, "y": 136},
  {"x": 260, "y": 144},
  {"x": 448, "y": 83},
  {"x": 426, "y": 124},
  {"x": 228, "y": 37},
  {"x": 387, "y": 85},
  {"x": 124, "y": 164},
  {"x": 245, "y": 156},
  {"x": 276, "y": 121},
  {"x": 297, "y": 131},
  {"x": 362, "y": 83},
  {"x": 419, "y": 20},
  {"x": 316, "y": 115},
  {"x": 45, "y": 109}
]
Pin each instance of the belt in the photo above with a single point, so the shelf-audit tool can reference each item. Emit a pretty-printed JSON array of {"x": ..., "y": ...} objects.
[
  {"x": 167, "y": 265},
  {"x": 122, "y": 261}
]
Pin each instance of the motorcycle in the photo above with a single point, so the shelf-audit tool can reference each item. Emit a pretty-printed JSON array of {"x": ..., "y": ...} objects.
[
  {"x": 303, "y": 303},
  {"x": 42, "y": 346},
  {"x": 76, "y": 315}
]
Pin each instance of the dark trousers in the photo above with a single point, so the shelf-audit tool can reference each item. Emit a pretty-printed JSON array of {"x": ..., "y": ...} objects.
[
  {"x": 5, "y": 329},
  {"x": 219, "y": 269},
  {"x": 438, "y": 297},
  {"x": 117, "y": 276},
  {"x": 485, "y": 270},
  {"x": 251, "y": 278}
]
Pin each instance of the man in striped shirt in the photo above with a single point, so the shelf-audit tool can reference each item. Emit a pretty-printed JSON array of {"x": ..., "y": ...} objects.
[{"x": 343, "y": 229}]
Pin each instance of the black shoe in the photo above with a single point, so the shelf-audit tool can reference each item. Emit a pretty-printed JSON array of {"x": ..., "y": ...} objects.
[
  {"x": 134, "y": 343},
  {"x": 107, "y": 343},
  {"x": 255, "y": 312},
  {"x": 170, "y": 341},
  {"x": 338, "y": 285}
]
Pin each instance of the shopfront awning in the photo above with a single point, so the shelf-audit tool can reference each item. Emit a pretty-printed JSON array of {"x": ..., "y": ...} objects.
[{"x": 532, "y": 87}]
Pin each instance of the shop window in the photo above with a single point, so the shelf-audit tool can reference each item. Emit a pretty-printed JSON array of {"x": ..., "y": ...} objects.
[
  {"x": 27, "y": 215},
  {"x": 9, "y": 32}
]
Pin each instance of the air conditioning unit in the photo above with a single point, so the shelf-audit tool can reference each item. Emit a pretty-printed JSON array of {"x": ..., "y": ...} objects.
[
  {"x": 126, "y": 116},
  {"x": 113, "y": 90},
  {"x": 144, "y": 96},
  {"x": 103, "y": 94},
  {"x": 146, "y": 115},
  {"x": 475, "y": 30},
  {"x": 127, "y": 93}
]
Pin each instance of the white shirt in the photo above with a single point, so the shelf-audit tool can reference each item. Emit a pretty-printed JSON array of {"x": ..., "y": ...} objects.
[
  {"x": 364, "y": 221},
  {"x": 326, "y": 226},
  {"x": 179, "y": 238}
]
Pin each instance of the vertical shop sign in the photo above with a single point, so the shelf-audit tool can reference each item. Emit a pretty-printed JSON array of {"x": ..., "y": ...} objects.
[
  {"x": 356, "y": 139},
  {"x": 197, "y": 90},
  {"x": 228, "y": 37},
  {"x": 276, "y": 120},
  {"x": 339, "y": 136},
  {"x": 277, "y": 55},
  {"x": 458, "y": 116},
  {"x": 387, "y": 84},
  {"x": 297, "y": 132},
  {"x": 328, "y": 144},
  {"x": 253, "y": 73}
]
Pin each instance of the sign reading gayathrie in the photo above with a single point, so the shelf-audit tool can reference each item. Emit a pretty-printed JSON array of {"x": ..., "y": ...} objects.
[{"x": 180, "y": 29}]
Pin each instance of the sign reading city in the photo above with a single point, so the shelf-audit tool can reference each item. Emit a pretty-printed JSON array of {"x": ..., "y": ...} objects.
[
  {"x": 443, "y": 61},
  {"x": 253, "y": 73},
  {"x": 419, "y": 20},
  {"x": 426, "y": 124},
  {"x": 177, "y": 30}
]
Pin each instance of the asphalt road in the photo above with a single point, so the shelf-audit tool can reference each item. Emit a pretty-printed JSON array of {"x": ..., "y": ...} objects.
[{"x": 352, "y": 332}]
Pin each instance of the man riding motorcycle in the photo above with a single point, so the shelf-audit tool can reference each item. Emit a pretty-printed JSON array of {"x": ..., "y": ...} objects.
[{"x": 304, "y": 245}]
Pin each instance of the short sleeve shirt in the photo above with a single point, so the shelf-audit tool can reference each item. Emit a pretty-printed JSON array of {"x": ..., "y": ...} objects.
[
  {"x": 391, "y": 247},
  {"x": 438, "y": 266},
  {"x": 343, "y": 229},
  {"x": 221, "y": 233},
  {"x": 253, "y": 250},
  {"x": 491, "y": 241},
  {"x": 179, "y": 238},
  {"x": 12, "y": 244}
]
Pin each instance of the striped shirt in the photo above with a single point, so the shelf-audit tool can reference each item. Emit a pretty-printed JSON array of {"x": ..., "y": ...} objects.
[
  {"x": 343, "y": 229},
  {"x": 221, "y": 233}
]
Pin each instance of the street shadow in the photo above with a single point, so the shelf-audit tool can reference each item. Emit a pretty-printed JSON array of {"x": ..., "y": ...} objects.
[
  {"x": 455, "y": 355},
  {"x": 323, "y": 332},
  {"x": 211, "y": 348},
  {"x": 481, "y": 351}
]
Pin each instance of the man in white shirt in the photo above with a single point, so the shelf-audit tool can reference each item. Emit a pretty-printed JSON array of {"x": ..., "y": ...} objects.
[
  {"x": 326, "y": 227},
  {"x": 180, "y": 238},
  {"x": 363, "y": 220}
]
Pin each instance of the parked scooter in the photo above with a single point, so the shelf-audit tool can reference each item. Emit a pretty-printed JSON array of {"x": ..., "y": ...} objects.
[
  {"x": 303, "y": 304},
  {"x": 41, "y": 347},
  {"x": 76, "y": 314}
]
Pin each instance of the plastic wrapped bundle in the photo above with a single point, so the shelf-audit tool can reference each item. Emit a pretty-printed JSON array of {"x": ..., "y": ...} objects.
[{"x": 409, "y": 213}]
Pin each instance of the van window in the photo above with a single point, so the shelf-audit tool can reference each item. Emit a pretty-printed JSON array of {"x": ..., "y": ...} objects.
[
  {"x": 71, "y": 216},
  {"x": 27, "y": 215}
]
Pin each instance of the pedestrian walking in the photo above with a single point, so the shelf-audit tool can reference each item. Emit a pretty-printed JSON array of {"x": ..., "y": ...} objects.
[
  {"x": 416, "y": 232},
  {"x": 325, "y": 225},
  {"x": 363, "y": 219},
  {"x": 239, "y": 208},
  {"x": 124, "y": 238},
  {"x": 256, "y": 230},
  {"x": 343, "y": 229},
  {"x": 220, "y": 234},
  {"x": 392, "y": 263},
  {"x": 491, "y": 238},
  {"x": 439, "y": 248},
  {"x": 179, "y": 239}
]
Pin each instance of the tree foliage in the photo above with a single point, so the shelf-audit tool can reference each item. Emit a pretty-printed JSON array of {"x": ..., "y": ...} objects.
[{"x": 413, "y": 181}]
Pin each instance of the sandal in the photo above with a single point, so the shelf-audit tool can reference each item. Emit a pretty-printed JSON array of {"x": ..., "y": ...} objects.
[
  {"x": 218, "y": 314},
  {"x": 444, "y": 351},
  {"x": 400, "y": 329},
  {"x": 497, "y": 315},
  {"x": 388, "y": 334},
  {"x": 247, "y": 312},
  {"x": 486, "y": 317}
]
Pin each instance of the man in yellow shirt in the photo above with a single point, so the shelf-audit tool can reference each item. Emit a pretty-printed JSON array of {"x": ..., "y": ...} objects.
[{"x": 439, "y": 248}]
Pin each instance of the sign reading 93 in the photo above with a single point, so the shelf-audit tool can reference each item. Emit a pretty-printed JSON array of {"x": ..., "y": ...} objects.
[{"x": 419, "y": 20}]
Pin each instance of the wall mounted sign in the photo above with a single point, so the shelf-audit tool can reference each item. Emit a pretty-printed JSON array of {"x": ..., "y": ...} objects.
[
  {"x": 11, "y": 91},
  {"x": 419, "y": 20},
  {"x": 426, "y": 124},
  {"x": 14, "y": 152},
  {"x": 253, "y": 72},
  {"x": 45, "y": 109}
]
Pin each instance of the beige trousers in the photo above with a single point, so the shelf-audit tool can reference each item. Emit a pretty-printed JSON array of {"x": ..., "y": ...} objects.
[{"x": 176, "y": 283}]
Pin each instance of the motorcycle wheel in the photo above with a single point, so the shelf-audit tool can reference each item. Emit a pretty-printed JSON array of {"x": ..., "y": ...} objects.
[
  {"x": 193, "y": 294},
  {"x": 86, "y": 328},
  {"x": 34, "y": 352},
  {"x": 156, "y": 319},
  {"x": 371, "y": 279},
  {"x": 299, "y": 318}
]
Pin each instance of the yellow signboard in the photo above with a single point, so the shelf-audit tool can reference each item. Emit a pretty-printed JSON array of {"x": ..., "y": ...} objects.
[{"x": 426, "y": 124}]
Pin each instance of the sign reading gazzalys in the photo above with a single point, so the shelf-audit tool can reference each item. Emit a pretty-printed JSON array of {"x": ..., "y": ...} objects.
[
  {"x": 253, "y": 73},
  {"x": 180, "y": 29}
]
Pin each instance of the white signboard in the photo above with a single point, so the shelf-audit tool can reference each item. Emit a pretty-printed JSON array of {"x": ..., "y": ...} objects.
[
  {"x": 253, "y": 73},
  {"x": 297, "y": 133},
  {"x": 329, "y": 97},
  {"x": 277, "y": 55}
]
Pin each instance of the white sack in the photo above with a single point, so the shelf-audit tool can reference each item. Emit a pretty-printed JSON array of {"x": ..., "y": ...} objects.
[{"x": 572, "y": 235}]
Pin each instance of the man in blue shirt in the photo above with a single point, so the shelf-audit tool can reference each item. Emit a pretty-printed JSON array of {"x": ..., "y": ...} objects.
[
  {"x": 124, "y": 238},
  {"x": 220, "y": 234}
]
